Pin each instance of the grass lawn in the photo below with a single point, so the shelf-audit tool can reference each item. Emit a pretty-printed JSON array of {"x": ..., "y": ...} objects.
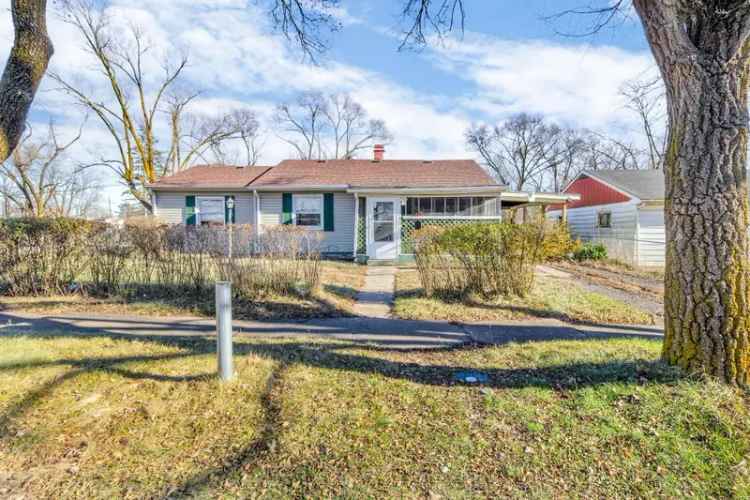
[
  {"x": 551, "y": 297},
  {"x": 85, "y": 417},
  {"x": 339, "y": 284}
]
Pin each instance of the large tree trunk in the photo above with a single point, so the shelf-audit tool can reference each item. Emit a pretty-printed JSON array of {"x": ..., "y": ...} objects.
[
  {"x": 703, "y": 58},
  {"x": 706, "y": 302},
  {"x": 24, "y": 70}
]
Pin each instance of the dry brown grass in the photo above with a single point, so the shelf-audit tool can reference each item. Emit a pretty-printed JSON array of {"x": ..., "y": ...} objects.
[
  {"x": 95, "y": 417},
  {"x": 549, "y": 298},
  {"x": 340, "y": 282}
]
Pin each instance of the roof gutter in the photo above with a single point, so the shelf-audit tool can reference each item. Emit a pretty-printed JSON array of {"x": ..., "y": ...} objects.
[
  {"x": 198, "y": 189},
  {"x": 428, "y": 190},
  {"x": 523, "y": 197},
  {"x": 651, "y": 204},
  {"x": 300, "y": 187}
]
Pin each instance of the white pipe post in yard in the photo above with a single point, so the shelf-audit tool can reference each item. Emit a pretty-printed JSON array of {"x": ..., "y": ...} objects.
[{"x": 224, "y": 329}]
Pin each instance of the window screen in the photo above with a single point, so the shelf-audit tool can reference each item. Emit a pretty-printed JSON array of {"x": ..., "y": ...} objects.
[
  {"x": 605, "y": 219},
  {"x": 308, "y": 210},
  {"x": 211, "y": 211}
]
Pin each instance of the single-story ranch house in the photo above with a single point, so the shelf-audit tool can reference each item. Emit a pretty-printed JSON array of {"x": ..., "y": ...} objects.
[
  {"x": 363, "y": 208},
  {"x": 622, "y": 209}
]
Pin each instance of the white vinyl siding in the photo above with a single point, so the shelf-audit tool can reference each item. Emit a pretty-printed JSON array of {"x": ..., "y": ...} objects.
[
  {"x": 620, "y": 238},
  {"x": 170, "y": 207},
  {"x": 340, "y": 240},
  {"x": 651, "y": 237},
  {"x": 270, "y": 209}
]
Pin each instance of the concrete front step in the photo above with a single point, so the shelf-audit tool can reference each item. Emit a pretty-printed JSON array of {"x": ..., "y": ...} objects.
[{"x": 381, "y": 262}]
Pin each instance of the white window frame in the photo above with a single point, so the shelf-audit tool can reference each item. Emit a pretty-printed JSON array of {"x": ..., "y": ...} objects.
[
  {"x": 198, "y": 199},
  {"x": 319, "y": 198},
  {"x": 457, "y": 214}
]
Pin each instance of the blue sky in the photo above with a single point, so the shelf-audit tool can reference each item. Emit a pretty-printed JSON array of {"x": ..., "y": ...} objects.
[{"x": 509, "y": 60}]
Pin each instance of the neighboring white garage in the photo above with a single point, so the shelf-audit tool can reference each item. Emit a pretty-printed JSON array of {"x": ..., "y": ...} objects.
[
  {"x": 623, "y": 210},
  {"x": 651, "y": 237}
]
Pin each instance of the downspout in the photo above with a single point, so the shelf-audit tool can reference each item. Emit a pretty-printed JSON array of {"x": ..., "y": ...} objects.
[
  {"x": 637, "y": 250},
  {"x": 154, "y": 199},
  {"x": 256, "y": 228},
  {"x": 356, "y": 224}
]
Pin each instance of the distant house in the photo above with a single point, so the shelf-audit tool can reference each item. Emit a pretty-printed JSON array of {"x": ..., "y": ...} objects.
[
  {"x": 623, "y": 209},
  {"x": 363, "y": 208}
]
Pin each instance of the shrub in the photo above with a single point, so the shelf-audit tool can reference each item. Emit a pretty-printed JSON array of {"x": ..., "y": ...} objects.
[
  {"x": 287, "y": 261},
  {"x": 436, "y": 268},
  {"x": 558, "y": 243},
  {"x": 41, "y": 256},
  {"x": 110, "y": 249},
  {"x": 591, "y": 251},
  {"x": 146, "y": 257},
  {"x": 490, "y": 259}
]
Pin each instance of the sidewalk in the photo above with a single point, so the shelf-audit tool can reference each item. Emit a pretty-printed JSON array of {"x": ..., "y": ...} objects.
[
  {"x": 388, "y": 333},
  {"x": 376, "y": 297}
]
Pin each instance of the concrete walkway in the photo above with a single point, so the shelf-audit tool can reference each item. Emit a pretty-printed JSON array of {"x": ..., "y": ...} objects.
[
  {"x": 386, "y": 333},
  {"x": 375, "y": 300}
]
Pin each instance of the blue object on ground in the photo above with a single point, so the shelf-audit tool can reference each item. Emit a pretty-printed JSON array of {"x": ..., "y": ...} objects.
[{"x": 471, "y": 377}]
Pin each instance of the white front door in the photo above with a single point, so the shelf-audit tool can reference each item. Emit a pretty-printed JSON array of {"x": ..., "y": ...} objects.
[{"x": 383, "y": 223}]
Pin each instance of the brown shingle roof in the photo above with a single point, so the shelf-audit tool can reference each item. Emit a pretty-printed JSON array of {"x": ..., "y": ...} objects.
[
  {"x": 366, "y": 174},
  {"x": 209, "y": 176}
]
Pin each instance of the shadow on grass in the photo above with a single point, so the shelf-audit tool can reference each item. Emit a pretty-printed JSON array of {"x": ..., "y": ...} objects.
[
  {"x": 333, "y": 355},
  {"x": 341, "y": 356},
  {"x": 199, "y": 302},
  {"x": 345, "y": 292}
]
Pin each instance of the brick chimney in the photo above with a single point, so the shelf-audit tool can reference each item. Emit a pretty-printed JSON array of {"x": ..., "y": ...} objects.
[{"x": 378, "y": 150}]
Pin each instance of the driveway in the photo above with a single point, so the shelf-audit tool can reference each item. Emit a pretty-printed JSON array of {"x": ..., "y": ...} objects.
[{"x": 384, "y": 332}]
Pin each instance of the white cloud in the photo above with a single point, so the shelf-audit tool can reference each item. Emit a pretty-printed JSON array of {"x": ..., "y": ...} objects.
[
  {"x": 238, "y": 63},
  {"x": 577, "y": 84}
]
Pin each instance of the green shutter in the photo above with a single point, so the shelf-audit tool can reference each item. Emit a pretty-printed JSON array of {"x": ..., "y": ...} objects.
[
  {"x": 286, "y": 208},
  {"x": 328, "y": 212},
  {"x": 190, "y": 210},
  {"x": 226, "y": 211}
]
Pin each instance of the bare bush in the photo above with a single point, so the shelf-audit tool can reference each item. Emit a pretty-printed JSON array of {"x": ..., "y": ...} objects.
[
  {"x": 109, "y": 252},
  {"x": 148, "y": 258},
  {"x": 41, "y": 256},
  {"x": 287, "y": 261},
  {"x": 490, "y": 259}
]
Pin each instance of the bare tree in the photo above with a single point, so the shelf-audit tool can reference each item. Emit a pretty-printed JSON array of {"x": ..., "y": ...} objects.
[
  {"x": 38, "y": 184},
  {"x": 518, "y": 151},
  {"x": 568, "y": 160},
  {"x": 423, "y": 17},
  {"x": 305, "y": 22},
  {"x": 645, "y": 97},
  {"x": 602, "y": 152},
  {"x": 351, "y": 129},
  {"x": 702, "y": 49},
  {"x": 321, "y": 126},
  {"x": 205, "y": 137},
  {"x": 24, "y": 70},
  {"x": 78, "y": 195},
  {"x": 134, "y": 106},
  {"x": 300, "y": 123}
]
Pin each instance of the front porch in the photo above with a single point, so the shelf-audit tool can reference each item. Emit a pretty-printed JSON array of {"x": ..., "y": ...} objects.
[{"x": 385, "y": 221}]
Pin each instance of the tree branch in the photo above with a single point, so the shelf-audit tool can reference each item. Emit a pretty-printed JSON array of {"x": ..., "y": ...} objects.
[{"x": 27, "y": 63}]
